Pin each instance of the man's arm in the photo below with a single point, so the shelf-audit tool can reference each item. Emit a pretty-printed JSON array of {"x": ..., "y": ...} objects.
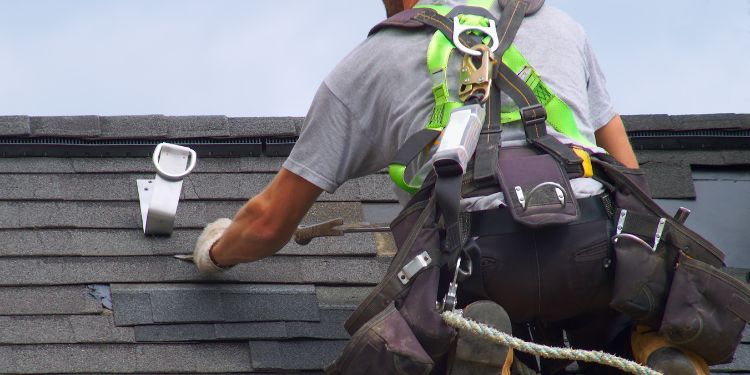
[
  {"x": 267, "y": 221},
  {"x": 612, "y": 137}
]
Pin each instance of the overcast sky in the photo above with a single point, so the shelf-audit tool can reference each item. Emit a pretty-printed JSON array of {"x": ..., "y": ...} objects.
[{"x": 250, "y": 58}]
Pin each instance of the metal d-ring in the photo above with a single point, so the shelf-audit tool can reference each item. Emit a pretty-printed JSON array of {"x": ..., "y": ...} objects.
[
  {"x": 635, "y": 238},
  {"x": 459, "y": 29},
  {"x": 558, "y": 189},
  {"x": 179, "y": 149}
]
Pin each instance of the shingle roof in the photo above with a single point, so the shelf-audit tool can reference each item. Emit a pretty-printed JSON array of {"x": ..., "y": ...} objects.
[{"x": 73, "y": 244}]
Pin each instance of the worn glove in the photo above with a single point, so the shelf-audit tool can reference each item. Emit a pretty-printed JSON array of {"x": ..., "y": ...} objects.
[{"x": 207, "y": 239}]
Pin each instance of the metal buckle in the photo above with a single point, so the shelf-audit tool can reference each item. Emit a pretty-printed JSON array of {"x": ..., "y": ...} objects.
[
  {"x": 529, "y": 115},
  {"x": 417, "y": 264},
  {"x": 159, "y": 197},
  {"x": 459, "y": 29},
  {"x": 476, "y": 80}
]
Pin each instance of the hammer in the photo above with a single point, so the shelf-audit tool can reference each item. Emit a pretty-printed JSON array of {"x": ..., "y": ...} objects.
[
  {"x": 335, "y": 227},
  {"x": 331, "y": 228}
]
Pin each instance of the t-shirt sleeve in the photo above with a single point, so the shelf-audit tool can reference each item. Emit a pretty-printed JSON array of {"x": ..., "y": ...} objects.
[
  {"x": 601, "y": 109},
  {"x": 333, "y": 146}
]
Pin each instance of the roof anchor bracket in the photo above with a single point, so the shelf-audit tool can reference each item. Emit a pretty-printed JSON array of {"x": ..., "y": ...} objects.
[{"x": 159, "y": 197}]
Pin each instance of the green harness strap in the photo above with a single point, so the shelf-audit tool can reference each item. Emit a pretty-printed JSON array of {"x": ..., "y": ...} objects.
[{"x": 559, "y": 114}]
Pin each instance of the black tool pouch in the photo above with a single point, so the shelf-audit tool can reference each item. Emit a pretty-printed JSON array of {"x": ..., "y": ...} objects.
[
  {"x": 643, "y": 267},
  {"x": 410, "y": 285},
  {"x": 536, "y": 188},
  {"x": 707, "y": 310},
  {"x": 384, "y": 345}
]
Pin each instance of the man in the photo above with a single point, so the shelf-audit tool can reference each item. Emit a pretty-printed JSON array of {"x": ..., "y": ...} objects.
[{"x": 375, "y": 99}]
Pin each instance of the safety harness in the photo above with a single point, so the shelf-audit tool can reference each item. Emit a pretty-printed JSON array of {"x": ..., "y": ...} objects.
[{"x": 512, "y": 73}]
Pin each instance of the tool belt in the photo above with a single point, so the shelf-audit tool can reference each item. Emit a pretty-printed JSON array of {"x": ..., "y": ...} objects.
[{"x": 668, "y": 277}]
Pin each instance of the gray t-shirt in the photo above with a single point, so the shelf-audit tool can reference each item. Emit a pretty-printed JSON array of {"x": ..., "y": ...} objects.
[{"x": 380, "y": 94}]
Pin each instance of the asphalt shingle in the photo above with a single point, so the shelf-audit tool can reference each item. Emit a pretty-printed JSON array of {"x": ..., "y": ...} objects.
[
  {"x": 196, "y": 126},
  {"x": 124, "y": 358},
  {"x": 264, "y": 126},
  {"x": 13, "y": 126},
  {"x": 294, "y": 355},
  {"x": 65, "y": 126},
  {"x": 134, "y": 127},
  {"x": 127, "y": 242},
  {"x": 647, "y": 122},
  {"x": 48, "y": 300},
  {"x": 670, "y": 180},
  {"x": 127, "y": 215},
  {"x": 277, "y": 269},
  {"x": 62, "y": 329},
  {"x": 185, "y": 303},
  {"x": 210, "y": 332}
]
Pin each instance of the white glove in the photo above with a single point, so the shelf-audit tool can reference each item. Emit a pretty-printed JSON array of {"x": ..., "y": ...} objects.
[{"x": 211, "y": 233}]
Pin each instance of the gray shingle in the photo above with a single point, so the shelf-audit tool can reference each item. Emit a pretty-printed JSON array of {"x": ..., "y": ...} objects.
[
  {"x": 277, "y": 269},
  {"x": 197, "y": 186},
  {"x": 196, "y": 126},
  {"x": 647, "y": 122},
  {"x": 210, "y": 332},
  {"x": 36, "y": 165},
  {"x": 175, "y": 332},
  {"x": 48, "y": 301},
  {"x": 134, "y": 127},
  {"x": 65, "y": 126},
  {"x": 670, "y": 180},
  {"x": 185, "y": 303},
  {"x": 251, "y": 330},
  {"x": 125, "y": 358},
  {"x": 131, "y": 308},
  {"x": 122, "y": 242},
  {"x": 294, "y": 355},
  {"x": 341, "y": 297},
  {"x": 12, "y": 126},
  {"x": 330, "y": 326},
  {"x": 728, "y": 121},
  {"x": 124, "y": 215},
  {"x": 264, "y": 126},
  {"x": 58, "y": 329},
  {"x": 740, "y": 364}
]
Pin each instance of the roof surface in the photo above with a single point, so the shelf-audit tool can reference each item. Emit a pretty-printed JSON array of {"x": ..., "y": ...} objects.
[{"x": 82, "y": 290}]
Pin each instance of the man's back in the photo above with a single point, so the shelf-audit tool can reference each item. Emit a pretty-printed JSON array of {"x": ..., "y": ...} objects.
[{"x": 381, "y": 93}]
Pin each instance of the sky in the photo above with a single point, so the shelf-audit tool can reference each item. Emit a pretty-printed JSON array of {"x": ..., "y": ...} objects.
[{"x": 253, "y": 58}]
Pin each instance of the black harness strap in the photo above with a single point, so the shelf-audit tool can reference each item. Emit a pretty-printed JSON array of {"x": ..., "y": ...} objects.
[{"x": 485, "y": 156}]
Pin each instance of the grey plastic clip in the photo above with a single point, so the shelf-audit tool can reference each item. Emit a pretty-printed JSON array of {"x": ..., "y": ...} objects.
[
  {"x": 159, "y": 197},
  {"x": 419, "y": 262}
]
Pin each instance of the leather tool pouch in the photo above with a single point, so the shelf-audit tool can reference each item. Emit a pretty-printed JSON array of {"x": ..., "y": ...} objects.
[
  {"x": 384, "y": 345},
  {"x": 642, "y": 269},
  {"x": 707, "y": 310},
  {"x": 408, "y": 293},
  {"x": 536, "y": 188}
]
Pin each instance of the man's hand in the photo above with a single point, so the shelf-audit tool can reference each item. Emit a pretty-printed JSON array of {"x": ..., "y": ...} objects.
[{"x": 202, "y": 251}]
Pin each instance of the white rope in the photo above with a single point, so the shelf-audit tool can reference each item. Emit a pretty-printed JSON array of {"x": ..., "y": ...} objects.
[{"x": 457, "y": 321}]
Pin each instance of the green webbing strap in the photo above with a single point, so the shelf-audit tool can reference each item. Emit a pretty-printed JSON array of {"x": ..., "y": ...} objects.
[
  {"x": 559, "y": 114},
  {"x": 438, "y": 54}
]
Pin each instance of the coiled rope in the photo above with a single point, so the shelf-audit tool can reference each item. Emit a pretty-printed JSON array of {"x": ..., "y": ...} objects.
[{"x": 456, "y": 320}]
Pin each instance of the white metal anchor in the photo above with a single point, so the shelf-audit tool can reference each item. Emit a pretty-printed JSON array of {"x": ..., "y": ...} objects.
[{"x": 159, "y": 197}]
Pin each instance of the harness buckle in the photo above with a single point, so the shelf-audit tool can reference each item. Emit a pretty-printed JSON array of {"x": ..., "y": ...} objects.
[
  {"x": 475, "y": 81},
  {"x": 533, "y": 115},
  {"x": 459, "y": 29}
]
